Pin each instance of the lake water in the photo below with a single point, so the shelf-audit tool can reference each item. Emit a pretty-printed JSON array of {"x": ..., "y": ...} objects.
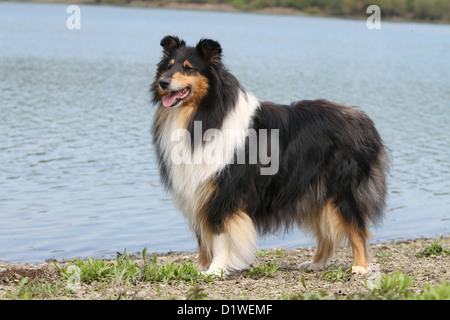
[{"x": 78, "y": 176}]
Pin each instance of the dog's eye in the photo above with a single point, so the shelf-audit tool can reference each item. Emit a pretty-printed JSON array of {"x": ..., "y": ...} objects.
[{"x": 187, "y": 66}]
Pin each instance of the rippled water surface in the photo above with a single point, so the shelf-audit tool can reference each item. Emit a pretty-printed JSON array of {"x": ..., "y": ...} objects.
[{"x": 78, "y": 175}]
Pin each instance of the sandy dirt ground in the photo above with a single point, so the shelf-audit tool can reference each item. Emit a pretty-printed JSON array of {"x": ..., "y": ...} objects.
[{"x": 386, "y": 258}]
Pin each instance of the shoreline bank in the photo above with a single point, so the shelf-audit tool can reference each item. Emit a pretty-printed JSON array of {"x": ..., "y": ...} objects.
[
  {"x": 278, "y": 277},
  {"x": 223, "y": 7}
]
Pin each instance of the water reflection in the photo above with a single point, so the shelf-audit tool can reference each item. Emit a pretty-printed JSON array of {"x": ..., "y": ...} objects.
[{"x": 78, "y": 175}]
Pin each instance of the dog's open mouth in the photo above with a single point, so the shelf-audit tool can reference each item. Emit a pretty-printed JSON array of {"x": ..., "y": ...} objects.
[{"x": 175, "y": 97}]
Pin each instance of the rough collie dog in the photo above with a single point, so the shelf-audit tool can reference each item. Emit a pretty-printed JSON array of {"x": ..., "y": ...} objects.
[{"x": 237, "y": 166}]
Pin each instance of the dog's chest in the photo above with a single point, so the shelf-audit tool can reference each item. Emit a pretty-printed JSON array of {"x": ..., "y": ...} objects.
[{"x": 193, "y": 159}]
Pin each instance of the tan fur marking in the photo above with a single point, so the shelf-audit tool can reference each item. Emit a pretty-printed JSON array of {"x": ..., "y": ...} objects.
[
  {"x": 199, "y": 90},
  {"x": 324, "y": 250},
  {"x": 184, "y": 116},
  {"x": 331, "y": 230},
  {"x": 359, "y": 252},
  {"x": 204, "y": 257},
  {"x": 204, "y": 237},
  {"x": 186, "y": 63},
  {"x": 198, "y": 85},
  {"x": 332, "y": 218},
  {"x": 358, "y": 243},
  {"x": 203, "y": 229},
  {"x": 161, "y": 115},
  {"x": 182, "y": 78},
  {"x": 237, "y": 221}
]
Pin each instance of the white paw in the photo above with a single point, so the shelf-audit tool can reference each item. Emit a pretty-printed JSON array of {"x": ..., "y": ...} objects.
[
  {"x": 310, "y": 265},
  {"x": 215, "y": 271},
  {"x": 202, "y": 268},
  {"x": 359, "y": 270}
]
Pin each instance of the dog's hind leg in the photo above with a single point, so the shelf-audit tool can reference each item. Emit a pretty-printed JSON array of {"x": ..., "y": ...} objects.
[
  {"x": 358, "y": 242},
  {"x": 234, "y": 248},
  {"x": 329, "y": 230},
  {"x": 322, "y": 256}
]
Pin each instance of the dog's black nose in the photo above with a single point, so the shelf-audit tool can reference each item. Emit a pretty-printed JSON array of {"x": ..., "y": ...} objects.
[{"x": 164, "y": 83}]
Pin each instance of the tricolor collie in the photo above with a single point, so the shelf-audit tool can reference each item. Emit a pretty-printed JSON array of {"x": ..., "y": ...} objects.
[{"x": 213, "y": 139}]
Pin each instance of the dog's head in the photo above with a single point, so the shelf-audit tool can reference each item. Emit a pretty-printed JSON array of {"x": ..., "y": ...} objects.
[{"x": 183, "y": 74}]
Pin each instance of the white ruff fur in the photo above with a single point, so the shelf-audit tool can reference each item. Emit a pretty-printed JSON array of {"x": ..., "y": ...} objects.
[
  {"x": 235, "y": 248},
  {"x": 187, "y": 177}
]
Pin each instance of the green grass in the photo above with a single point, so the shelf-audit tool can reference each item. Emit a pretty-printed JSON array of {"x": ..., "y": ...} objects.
[
  {"x": 126, "y": 273},
  {"x": 277, "y": 252},
  {"x": 383, "y": 254},
  {"x": 396, "y": 287},
  {"x": 36, "y": 289},
  {"x": 306, "y": 296},
  {"x": 264, "y": 270},
  {"x": 125, "y": 270},
  {"x": 337, "y": 275},
  {"x": 439, "y": 292},
  {"x": 384, "y": 287},
  {"x": 435, "y": 249},
  {"x": 196, "y": 293}
]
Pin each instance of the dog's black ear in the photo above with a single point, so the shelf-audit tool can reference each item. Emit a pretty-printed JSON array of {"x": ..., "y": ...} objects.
[
  {"x": 210, "y": 50},
  {"x": 170, "y": 43}
]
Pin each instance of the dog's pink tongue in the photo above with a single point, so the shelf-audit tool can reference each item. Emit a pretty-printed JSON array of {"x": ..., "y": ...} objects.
[{"x": 169, "y": 100}]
